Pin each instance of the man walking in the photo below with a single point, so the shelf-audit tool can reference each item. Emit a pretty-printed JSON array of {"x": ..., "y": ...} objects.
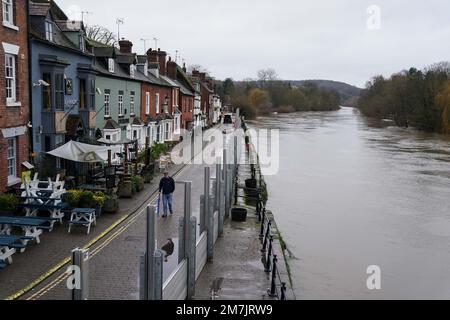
[{"x": 167, "y": 188}]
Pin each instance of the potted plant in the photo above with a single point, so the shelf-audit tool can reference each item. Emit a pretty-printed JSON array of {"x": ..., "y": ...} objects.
[
  {"x": 138, "y": 184},
  {"x": 111, "y": 204},
  {"x": 99, "y": 202},
  {"x": 8, "y": 204}
]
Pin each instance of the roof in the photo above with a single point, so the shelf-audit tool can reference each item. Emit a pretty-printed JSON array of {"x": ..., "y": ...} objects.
[
  {"x": 70, "y": 25},
  {"x": 137, "y": 122},
  {"x": 39, "y": 9},
  {"x": 183, "y": 89},
  {"x": 111, "y": 125},
  {"x": 163, "y": 117}
]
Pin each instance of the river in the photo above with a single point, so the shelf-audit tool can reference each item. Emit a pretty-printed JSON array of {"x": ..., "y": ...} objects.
[{"x": 352, "y": 193}]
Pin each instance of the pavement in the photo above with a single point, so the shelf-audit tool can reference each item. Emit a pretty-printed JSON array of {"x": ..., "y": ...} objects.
[{"x": 115, "y": 245}]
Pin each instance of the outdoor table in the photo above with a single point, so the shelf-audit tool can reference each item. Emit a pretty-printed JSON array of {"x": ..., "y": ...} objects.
[
  {"x": 55, "y": 211},
  {"x": 83, "y": 217},
  {"x": 8, "y": 246},
  {"x": 32, "y": 227}
]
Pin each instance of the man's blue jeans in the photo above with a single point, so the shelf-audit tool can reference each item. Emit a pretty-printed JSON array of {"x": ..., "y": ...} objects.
[{"x": 167, "y": 203}]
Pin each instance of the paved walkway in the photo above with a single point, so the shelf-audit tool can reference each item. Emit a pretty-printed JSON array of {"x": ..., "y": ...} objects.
[{"x": 114, "y": 263}]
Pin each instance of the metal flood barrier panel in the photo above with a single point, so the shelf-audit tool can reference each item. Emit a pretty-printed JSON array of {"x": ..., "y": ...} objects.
[
  {"x": 216, "y": 226},
  {"x": 176, "y": 287},
  {"x": 201, "y": 254}
]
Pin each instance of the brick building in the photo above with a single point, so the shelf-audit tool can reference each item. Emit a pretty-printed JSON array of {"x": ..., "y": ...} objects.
[{"x": 14, "y": 91}]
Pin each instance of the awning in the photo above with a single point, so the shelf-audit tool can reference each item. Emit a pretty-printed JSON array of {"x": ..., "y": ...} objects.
[{"x": 80, "y": 152}]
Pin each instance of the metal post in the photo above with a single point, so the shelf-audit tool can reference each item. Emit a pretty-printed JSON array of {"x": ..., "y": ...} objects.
[
  {"x": 151, "y": 247},
  {"x": 203, "y": 214},
  {"x": 263, "y": 223},
  {"x": 273, "y": 287},
  {"x": 266, "y": 237},
  {"x": 192, "y": 246},
  {"x": 211, "y": 228},
  {"x": 80, "y": 260},
  {"x": 181, "y": 240},
  {"x": 187, "y": 215},
  {"x": 158, "y": 275},
  {"x": 226, "y": 178},
  {"x": 218, "y": 179},
  {"x": 269, "y": 255},
  {"x": 221, "y": 205},
  {"x": 207, "y": 185},
  {"x": 143, "y": 290}
]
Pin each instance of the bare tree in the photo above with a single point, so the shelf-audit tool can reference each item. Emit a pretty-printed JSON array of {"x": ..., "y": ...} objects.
[
  {"x": 100, "y": 34},
  {"x": 197, "y": 67},
  {"x": 266, "y": 75}
]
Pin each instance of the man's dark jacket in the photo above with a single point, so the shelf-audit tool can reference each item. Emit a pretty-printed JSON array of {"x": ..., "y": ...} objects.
[{"x": 167, "y": 185}]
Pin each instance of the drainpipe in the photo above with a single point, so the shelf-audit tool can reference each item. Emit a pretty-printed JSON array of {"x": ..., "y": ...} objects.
[{"x": 30, "y": 87}]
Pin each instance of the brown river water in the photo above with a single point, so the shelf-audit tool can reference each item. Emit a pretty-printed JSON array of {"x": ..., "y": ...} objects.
[{"x": 352, "y": 193}]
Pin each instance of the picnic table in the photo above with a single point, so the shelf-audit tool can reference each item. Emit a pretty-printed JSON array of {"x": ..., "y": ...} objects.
[
  {"x": 83, "y": 217},
  {"x": 32, "y": 228},
  {"x": 55, "y": 210},
  {"x": 8, "y": 247}
]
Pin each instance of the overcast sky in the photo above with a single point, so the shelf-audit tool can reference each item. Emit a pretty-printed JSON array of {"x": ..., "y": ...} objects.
[{"x": 315, "y": 39}]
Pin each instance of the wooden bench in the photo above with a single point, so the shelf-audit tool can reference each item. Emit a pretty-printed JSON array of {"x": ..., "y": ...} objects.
[
  {"x": 55, "y": 211},
  {"x": 83, "y": 217}
]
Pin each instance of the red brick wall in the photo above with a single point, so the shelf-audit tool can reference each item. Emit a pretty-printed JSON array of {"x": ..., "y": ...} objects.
[
  {"x": 14, "y": 116},
  {"x": 163, "y": 92}
]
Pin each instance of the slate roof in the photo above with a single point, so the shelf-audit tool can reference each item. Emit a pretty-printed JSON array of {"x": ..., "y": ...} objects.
[
  {"x": 39, "y": 9},
  {"x": 137, "y": 122},
  {"x": 111, "y": 125}
]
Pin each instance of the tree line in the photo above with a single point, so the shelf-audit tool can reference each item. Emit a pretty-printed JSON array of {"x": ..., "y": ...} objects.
[
  {"x": 416, "y": 98},
  {"x": 268, "y": 94}
]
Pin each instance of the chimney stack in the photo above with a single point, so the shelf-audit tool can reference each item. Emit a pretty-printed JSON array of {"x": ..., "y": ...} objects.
[
  {"x": 162, "y": 57},
  {"x": 126, "y": 46},
  {"x": 202, "y": 76},
  {"x": 171, "y": 69}
]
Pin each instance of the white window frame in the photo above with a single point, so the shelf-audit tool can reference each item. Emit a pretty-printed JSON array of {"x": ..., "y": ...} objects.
[
  {"x": 8, "y": 15},
  {"x": 111, "y": 65},
  {"x": 120, "y": 104},
  {"x": 10, "y": 67},
  {"x": 157, "y": 103},
  {"x": 12, "y": 177},
  {"x": 49, "y": 31},
  {"x": 147, "y": 103},
  {"x": 132, "y": 70},
  {"x": 132, "y": 104},
  {"x": 107, "y": 105}
]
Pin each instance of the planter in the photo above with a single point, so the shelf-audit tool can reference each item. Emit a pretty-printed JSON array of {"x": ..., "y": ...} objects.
[
  {"x": 239, "y": 214},
  {"x": 111, "y": 205},
  {"x": 125, "y": 190},
  {"x": 251, "y": 183}
]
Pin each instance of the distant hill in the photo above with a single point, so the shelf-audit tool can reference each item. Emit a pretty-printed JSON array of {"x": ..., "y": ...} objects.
[{"x": 347, "y": 92}]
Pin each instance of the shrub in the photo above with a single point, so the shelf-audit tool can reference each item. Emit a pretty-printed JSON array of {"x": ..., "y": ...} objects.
[
  {"x": 158, "y": 149},
  {"x": 8, "y": 202},
  {"x": 138, "y": 183},
  {"x": 84, "y": 199}
]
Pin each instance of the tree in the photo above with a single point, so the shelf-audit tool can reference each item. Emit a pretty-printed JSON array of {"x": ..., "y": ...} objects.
[
  {"x": 266, "y": 76},
  {"x": 260, "y": 100},
  {"x": 443, "y": 100},
  {"x": 100, "y": 34}
]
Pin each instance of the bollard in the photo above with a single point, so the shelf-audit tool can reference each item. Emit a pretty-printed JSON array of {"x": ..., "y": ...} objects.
[
  {"x": 273, "y": 287},
  {"x": 158, "y": 275},
  {"x": 181, "y": 241},
  {"x": 143, "y": 290},
  {"x": 226, "y": 182},
  {"x": 269, "y": 254},
  {"x": 203, "y": 214},
  {"x": 211, "y": 236},
  {"x": 192, "y": 246},
  {"x": 263, "y": 222},
  {"x": 151, "y": 247},
  {"x": 207, "y": 182},
  {"x": 266, "y": 236},
  {"x": 221, "y": 206},
  {"x": 218, "y": 179},
  {"x": 80, "y": 260}
]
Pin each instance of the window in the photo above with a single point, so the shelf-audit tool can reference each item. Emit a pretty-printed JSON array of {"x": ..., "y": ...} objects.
[
  {"x": 111, "y": 65},
  {"x": 83, "y": 94},
  {"x": 107, "y": 106},
  {"x": 11, "y": 158},
  {"x": 92, "y": 95},
  {"x": 167, "y": 131},
  {"x": 49, "y": 31},
  {"x": 120, "y": 100},
  {"x": 81, "y": 40},
  {"x": 157, "y": 103},
  {"x": 132, "y": 103},
  {"x": 47, "y": 92},
  {"x": 8, "y": 17},
  {"x": 132, "y": 70},
  {"x": 147, "y": 103},
  {"x": 10, "y": 73},
  {"x": 59, "y": 91}
]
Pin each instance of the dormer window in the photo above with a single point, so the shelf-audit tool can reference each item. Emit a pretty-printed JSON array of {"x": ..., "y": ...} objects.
[
  {"x": 146, "y": 69},
  {"x": 49, "y": 31},
  {"x": 82, "y": 45},
  {"x": 132, "y": 70},
  {"x": 111, "y": 65}
]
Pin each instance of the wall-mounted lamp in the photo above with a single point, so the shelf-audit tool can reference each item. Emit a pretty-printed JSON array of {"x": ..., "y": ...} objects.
[{"x": 41, "y": 83}]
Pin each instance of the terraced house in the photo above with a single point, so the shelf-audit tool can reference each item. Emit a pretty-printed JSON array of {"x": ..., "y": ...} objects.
[
  {"x": 64, "y": 89},
  {"x": 14, "y": 95}
]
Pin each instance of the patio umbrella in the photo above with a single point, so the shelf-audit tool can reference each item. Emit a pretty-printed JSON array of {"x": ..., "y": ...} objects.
[{"x": 80, "y": 152}]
